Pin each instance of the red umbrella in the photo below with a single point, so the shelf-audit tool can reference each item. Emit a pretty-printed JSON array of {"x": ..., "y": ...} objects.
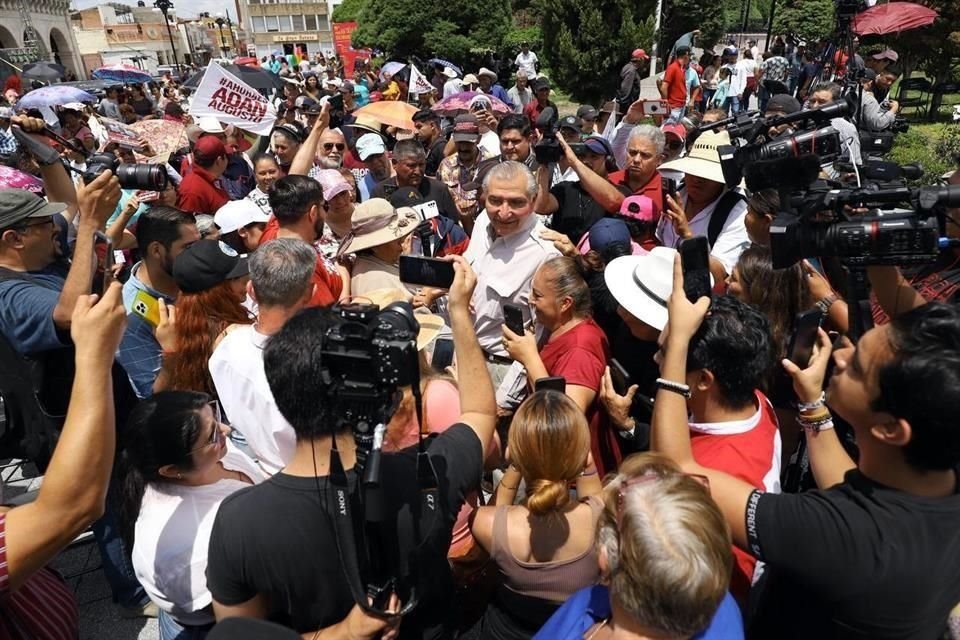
[
  {"x": 893, "y": 17},
  {"x": 462, "y": 102}
]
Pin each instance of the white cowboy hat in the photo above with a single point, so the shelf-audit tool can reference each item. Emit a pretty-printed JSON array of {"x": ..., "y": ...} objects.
[
  {"x": 376, "y": 222},
  {"x": 450, "y": 73},
  {"x": 486, "y": 72},
  {"x": 703, "y": 160}
]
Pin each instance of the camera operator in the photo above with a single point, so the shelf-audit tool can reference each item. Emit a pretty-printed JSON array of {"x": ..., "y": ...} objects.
[
  {"x": 292, "y": 512},
  {"x": 827, "y": 93},
  {"x": 885, "y": 79},
  {"x": 576, "y": 205},
  {"x": 873, "y": 116},
  {"x": 897, "y": 391}
]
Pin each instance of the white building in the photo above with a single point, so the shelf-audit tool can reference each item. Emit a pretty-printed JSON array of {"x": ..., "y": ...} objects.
[
  {"x": 118, "y": 34},
  {"x": 287, "y": 25},
  {"x": 51, "y": 19}
]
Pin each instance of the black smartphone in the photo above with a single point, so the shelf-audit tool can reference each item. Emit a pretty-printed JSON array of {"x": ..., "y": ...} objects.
[
  {"x": 513, "y": 317},
  {"x": 695, "y": 258},
  {"x": 336, "y": 102},
  {"x": 669, "y": 187},
  {"x": 804, "y": 337},
  {"x": 620, "y": 377},
  {"x": 442, "y": 354},
  {"x": 556, "y": 383},
  {"x": 428, "y": 272}
]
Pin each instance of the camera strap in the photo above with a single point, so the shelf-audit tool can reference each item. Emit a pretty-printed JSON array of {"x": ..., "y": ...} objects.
[{"x": 721, "y": 213}]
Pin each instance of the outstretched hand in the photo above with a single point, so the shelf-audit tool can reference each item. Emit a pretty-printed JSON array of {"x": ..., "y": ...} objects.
[{"x": 97, "y": 326}]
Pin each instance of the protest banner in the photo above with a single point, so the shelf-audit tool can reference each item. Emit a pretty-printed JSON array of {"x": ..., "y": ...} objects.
[
  {"x": 118, "y": 132},
  {"x": 225, "y": 97}
]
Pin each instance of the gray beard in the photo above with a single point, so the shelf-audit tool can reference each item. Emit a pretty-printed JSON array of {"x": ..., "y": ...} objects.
[{"x": 327, "y": 163}]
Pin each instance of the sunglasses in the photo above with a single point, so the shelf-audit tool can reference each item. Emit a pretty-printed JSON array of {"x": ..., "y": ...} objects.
[
  {"x": 216, "y": 434},
  {"x": 327, "y": 146}
]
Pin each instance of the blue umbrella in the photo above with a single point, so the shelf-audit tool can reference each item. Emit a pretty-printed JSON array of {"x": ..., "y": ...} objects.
[
  {"x": 53, "y": 95},
  {"x": 446, "y": 63},
  {"x": 122, "y": 74}
]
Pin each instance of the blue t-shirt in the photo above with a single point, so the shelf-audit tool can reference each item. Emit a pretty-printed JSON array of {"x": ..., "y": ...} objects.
[
  {"x": 589, "y": 606},
  {"x": 139, "y": 354},
  {"x": 26, "y": 310}
]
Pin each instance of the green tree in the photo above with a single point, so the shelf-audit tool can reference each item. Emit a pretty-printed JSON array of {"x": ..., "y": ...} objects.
[
  {"x": 586, "y": 42},
  {"x": 806, "y": 20},
  {"x": 348, "y": 11},
  {"x": 402, "y": 28},
  {"x": 683, "y": 16}
]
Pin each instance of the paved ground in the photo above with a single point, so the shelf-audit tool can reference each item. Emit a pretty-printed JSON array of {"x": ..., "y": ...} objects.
[{"x": 80, "y": 564}]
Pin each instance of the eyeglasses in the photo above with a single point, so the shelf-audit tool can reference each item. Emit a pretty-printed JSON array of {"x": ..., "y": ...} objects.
[
  {"x": 216, "y": 435},
  {"x": 651, "y": 476},
  {"x": 327, "y": 146}
]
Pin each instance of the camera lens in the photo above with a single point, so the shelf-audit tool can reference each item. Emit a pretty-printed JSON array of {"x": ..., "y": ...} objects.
[{"x": 148, "y": 177}]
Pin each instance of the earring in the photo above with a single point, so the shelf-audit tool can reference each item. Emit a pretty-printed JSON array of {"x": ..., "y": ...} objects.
[{"x": 179, "y": 476}]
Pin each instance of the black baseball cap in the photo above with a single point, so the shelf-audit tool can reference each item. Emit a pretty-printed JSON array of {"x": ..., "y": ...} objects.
[
  {"x": 205, "y": 264},
  {"x": 16, "y": 205},
  {"x": 587, "y": 112},
  {"x": 570, "y": 122}
]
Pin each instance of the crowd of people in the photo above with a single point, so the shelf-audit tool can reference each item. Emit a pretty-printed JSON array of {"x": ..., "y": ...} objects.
[{"x": 600, "y": 457}]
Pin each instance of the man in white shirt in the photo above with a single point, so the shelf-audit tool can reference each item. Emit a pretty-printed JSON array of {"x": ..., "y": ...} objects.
[
  {"x": 704, "y": 197},
  {"x": 738, "y": 78},
  {"x": 281, "y": 283},
  {"x": 505, "y": 250},
  {"x": 453, "y": 85},
  {"x": 527, "y": 61}
]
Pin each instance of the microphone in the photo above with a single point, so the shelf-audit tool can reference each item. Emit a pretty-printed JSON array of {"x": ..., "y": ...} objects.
[{"x": 790, "y": 173}]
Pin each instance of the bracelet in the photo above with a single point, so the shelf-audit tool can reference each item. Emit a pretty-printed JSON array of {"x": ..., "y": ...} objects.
[
  {"x": 824, "y": 304},
  {"x": 676, "y": 387},
  {"x": 817, "y": 427},
  {"x": 813, "y": 416},
  {"x": 585, "y": 473},
  {"x": 816, "y": 404}
]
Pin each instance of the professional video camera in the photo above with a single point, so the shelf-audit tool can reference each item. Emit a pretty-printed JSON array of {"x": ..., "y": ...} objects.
[
  {"x": 548, "y": 149},
  {"x": 748, "y": 138},
  {"x": 847, "y": 9},
  {"x": 146, "y": 177}
]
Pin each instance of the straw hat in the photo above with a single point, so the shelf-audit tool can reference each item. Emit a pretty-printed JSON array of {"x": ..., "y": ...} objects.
[
  {"x": 376, "y": 222},
  {"x": 431, "y": 325},
  {"x": 703, "y": 160},
  {"x": 366, "y": 122}
]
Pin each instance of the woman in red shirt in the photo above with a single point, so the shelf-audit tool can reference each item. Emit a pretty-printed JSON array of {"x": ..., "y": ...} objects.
[{"x": 577, "y": 350}]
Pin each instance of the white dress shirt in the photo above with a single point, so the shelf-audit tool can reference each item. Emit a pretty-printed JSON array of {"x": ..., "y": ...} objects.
[
  {"x": 731, "y": 242},
  {"x": 236, "y": 367},
  {"x": 504, "y": 268}
]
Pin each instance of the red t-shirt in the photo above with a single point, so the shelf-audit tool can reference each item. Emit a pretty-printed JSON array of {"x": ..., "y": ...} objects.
[
  {"x": 580, "y": 356},
  {"x": 199, "y": 194},
  {"x": 653, "y": 189},
  {"x": 747, "y": 449},
  {"x": 676, "y": 79},
  {"x": 329, "y": 285}
]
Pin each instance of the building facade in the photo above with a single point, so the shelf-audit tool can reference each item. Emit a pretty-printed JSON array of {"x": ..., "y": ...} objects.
[
  {"x": 285, "y": 27},
  {"x": 51, "y": 19},
  {"x": 118, "y": 34}
]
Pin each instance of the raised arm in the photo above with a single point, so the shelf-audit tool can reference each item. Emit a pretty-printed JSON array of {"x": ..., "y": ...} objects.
[
  {"x": 545, "y": 203},
  {"x": 303, "y": 161},
  {"x": 893, "y": 292},
  {"x": 75, "y": 485},
  {"x": 599, "y": 188},
  {"x": 477, "y": 401}
]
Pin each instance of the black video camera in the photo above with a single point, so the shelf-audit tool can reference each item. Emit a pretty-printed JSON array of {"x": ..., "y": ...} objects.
[
  {"x": 146, "y": 177},
  {"x": 824, "y": 142},
  {"x": 548, "y": 149},
  {"x": 900, "y": 125},
  {"x": 369, "y": 354}
]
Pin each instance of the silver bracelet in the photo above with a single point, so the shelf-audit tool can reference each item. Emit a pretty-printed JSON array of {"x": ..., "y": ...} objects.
[
  {"x": 816, "y": 404},
  {"x": 676, "y": 387}
]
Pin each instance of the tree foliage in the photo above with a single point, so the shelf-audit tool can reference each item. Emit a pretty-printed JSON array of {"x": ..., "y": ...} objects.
[
  {"x": 807, "y": 20},
  {"x": 348, "y": 11},
  {"x": 935, "y": 49},
  {"x": 401, "y": 28},
  {"x": 586, "y": 42},
  {"x": 682, "y": 16}
]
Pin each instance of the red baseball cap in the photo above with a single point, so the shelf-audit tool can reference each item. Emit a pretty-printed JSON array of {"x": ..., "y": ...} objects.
[
  {"x": 208, "y": 148},
  {"x": 675, "y": 128},
  {"x": 639, "y": 54}
]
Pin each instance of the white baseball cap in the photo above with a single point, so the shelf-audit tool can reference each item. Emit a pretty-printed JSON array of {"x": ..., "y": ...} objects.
[
  {"x": 209, "y": 124},
  {"x": 238, "y": 214},
  {"x": 370, "y": 144}
]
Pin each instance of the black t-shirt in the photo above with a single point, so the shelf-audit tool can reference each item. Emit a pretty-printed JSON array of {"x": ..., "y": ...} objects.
[
  {"x": 430, "y": 189},
  {"x": 435, "y": 156},
  {"x": 578, "y": 210},
  {"x": 856, "y": 561},
  {"x": 278, "y": 539}
]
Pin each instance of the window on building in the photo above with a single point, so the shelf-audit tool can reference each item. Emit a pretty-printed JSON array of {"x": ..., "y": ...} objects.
[
  {"x": 322, "y": 23},
  {"x": 258, "y": 24},
  {"x": 311, "y": 22},
  {"x": 285, "y": 24},
  {"x": 273, "y": 24},
  {"x": 297, "y": 23}
]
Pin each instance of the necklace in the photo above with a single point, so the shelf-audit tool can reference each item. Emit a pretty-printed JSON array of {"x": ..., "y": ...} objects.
[{"x": 602, "y": 624}]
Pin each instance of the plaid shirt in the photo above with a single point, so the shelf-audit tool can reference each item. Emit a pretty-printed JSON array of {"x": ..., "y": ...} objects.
[
  {"x": 8, "y": 144},
  {"x": 461, "y": 180}
]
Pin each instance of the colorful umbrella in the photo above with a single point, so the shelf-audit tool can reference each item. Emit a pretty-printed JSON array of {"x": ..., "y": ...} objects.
[
  {"x": 392, "y": 113},
  {"x": 45, "y": 71},
  {"x": 259, "y": 79},
  {"x": 122, "y": 74},
  {"x": 893, "y": 17},
  {"x": 447, "y": 64},
  {"x": 164, "y": 136},
  {"x": 390, "y": 69},
  {"x": 461, "y": 103},
  {"x": 53, "y": 95},
  {"x": 13, "y": 179}
]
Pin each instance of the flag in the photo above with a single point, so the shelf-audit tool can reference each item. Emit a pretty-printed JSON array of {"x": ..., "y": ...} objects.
[
  {"x": 230, "y": 100},
  {"x": 418, "y": 81},
  {"x": 611, "y": 126}
]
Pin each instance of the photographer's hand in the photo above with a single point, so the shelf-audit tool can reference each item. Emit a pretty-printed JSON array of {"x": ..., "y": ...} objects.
[
  {"x": 678, "y": 217},
  {"x": 98, "y": 200},
  {"x": 523, "y": 349},
  {"x": 808, "y": 381},
  {"x": 634, "y": 112},
  {"x": 684, "y": 317},
  {"x": 568, "y": 153},
  {"x": 464, "y": 282}
]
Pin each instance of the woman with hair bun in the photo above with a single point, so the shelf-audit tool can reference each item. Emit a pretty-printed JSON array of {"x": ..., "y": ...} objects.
[{"x": 543, "y": 547}]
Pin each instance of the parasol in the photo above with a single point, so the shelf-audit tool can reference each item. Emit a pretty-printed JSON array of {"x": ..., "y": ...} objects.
[
  {"x": 53, "y": 95},
  {"x": 13, "y": 179},
  {"x": 390, "y": 69},
  {"x": 393, "y": 113},
  {"x": 447, "y": 64},
  {"x": 164, "y": 136},
  {"x": 44, "y": 71},
  {"x": 461, "y": 102},
  {"x": 122, "y": 74},
  {"x": 893, "y": 17},
  {"x": 255, "y": 77}
]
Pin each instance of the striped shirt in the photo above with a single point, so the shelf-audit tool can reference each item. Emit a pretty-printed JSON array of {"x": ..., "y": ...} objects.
[{"x": 43, "y": 608}]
